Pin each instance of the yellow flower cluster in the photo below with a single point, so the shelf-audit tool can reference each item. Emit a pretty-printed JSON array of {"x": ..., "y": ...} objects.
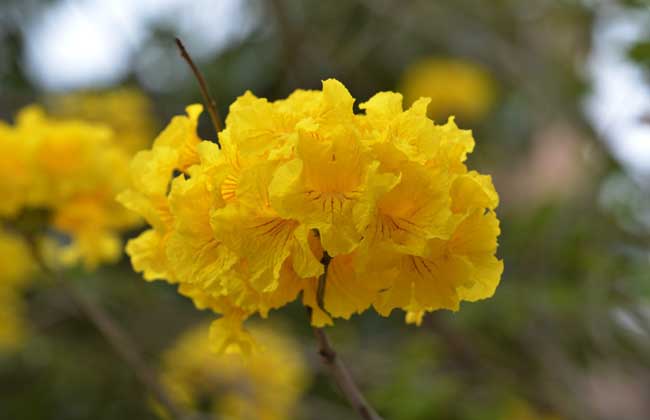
[
  {"x": 15, "y": 267},
  {"x": 72, "y": 170},
  {"x": 385, "y": 194},
  {"x": 127, "y": 111},
  {"x": 456, "y": 87},
  {"x": 266, "y": 386}
]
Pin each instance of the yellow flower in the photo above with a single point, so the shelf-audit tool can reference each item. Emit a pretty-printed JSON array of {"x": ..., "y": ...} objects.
[
  {"x": 72, "y": 170},
  {"x": 128, "y": 112},
  {"x": 150, "y": 174},
  {"x": 384, "y": 196},
  {"x": 94, "y": 221},
  {"x": 266, "y": 386},
  {"x": 15, "y": 172},
  {"x": 455, "y": 87},
  {"x": 15, "y": 260}
]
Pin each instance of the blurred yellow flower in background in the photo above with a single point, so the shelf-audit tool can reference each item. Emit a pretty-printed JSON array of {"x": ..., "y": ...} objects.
[
  {"x": 15, "y": 259},
  {"x": 69, "y": 171},
  {"x": 383, "y": 198},
  {"x": 266, "y": 386},
  {"x": 456, "y": 87},
  {"x": 58, "y": 181},
  {"x": 16, "y": 174},
  {"x": 127, "y": 111}
]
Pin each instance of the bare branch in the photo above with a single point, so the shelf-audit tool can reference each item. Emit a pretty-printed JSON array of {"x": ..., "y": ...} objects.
[
  {"x": 342, "y": 377},
  {"x": 208, "y": 100},
  {"x": 337, "y": 368}
]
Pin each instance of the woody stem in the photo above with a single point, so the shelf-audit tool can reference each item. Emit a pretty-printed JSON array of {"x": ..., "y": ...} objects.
[{"x": 334, "y": 364}]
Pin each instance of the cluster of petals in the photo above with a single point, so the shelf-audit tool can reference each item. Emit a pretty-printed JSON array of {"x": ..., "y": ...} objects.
[
  {"x": 60, "y": 177},
  {"x": 384, "y": 195}
]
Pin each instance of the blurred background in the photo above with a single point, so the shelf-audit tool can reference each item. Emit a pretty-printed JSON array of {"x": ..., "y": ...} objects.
[{"x": 557, "y": 94}]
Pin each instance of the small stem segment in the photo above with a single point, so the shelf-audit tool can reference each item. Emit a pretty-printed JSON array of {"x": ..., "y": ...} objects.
[
  {"x": 322, "y": 281},
  {"x": 342, "y": 377},
  {"x": 119, "y": 340},
  {"x": 337, "y": 368},
  {"x": 209, "y": 102}
]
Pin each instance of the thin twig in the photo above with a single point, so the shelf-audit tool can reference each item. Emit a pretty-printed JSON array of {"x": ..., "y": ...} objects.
[
  {"x": 208, "y": 100},
  {"x": 119, "y": 340},
  {"x": 343, "y": 377},
  {"x": 337, "y": 368},
  {"x": 322, "y": 282}
]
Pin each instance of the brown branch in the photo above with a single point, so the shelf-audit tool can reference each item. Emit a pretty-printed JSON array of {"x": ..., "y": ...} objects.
[
  {"x": 208, "y": 100},
  {"x": 322, "y": 282},
  {"x": 118, "y": 339},
  {"x": 337, "y": 368},
  {"x": 342, "y": 377}
]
